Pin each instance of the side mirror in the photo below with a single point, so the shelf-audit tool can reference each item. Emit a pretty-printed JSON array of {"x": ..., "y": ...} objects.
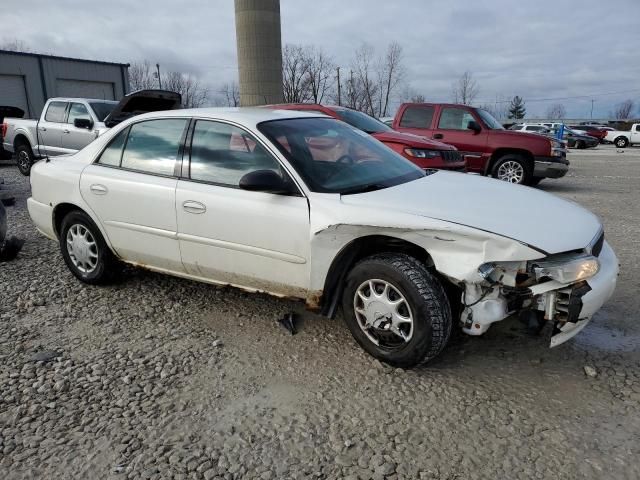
[
  {"x": 473, "y": 125},
  {"x": 265, "y": 181},
  {"x": 83, "y": 123}
]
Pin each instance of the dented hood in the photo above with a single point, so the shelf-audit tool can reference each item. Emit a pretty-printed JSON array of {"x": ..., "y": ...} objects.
[{"x": 536, "y": 218}]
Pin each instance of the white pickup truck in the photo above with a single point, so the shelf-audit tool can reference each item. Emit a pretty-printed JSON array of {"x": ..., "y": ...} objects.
[
  {"x": 67, "y": 125},
  {"x": 622, "y": 139}
]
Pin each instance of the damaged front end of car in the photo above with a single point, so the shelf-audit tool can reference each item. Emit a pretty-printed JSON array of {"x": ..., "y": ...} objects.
[{"x": 566, "y": 289}]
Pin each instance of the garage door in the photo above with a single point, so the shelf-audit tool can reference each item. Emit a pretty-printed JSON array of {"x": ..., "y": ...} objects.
[
  {"x": 84, "y": 89},
  {"x": 13, "y": 93}
]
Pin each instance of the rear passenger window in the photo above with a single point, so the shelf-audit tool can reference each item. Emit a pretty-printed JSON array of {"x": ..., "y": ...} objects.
[
  {"x": 113, "y": 153},
  {"x": 223, "y": 154},
  {"x": 55, "y": 112},
  {"x": 417, "y": 117},
  {"x": 152, "y": 146}
]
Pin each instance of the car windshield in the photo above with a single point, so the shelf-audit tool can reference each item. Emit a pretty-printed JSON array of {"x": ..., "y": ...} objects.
[
  {"x": 489, "y": 120},
  {"x": 102, "y": 109},
  {"x": 362, "y": 121},
  {"x": 333, "y": 157}
]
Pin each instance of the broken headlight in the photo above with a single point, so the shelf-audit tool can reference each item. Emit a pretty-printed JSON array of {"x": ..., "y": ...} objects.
[{"x": 566, "y": 268}]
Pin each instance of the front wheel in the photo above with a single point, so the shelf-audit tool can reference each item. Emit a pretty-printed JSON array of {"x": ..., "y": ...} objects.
[
  {"x": 84, "y": 250},
  {"x": 24, "y": 159},
  {"x": 396, "y": 310},
  {"x": 512, "y": 169}
]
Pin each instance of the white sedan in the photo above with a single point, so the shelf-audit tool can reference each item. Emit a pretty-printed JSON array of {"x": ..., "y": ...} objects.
[{"x": 298, "y": 205}]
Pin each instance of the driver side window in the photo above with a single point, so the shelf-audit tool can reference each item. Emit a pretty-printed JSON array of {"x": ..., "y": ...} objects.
[
  {"x": 454, "y": 119},
  {"x": 223, "y": 154}
]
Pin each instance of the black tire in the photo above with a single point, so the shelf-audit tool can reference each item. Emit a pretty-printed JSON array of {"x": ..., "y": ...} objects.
[
  {"x": 424, "y": 296},
  {"x": 621, "y": 142},
  {"x": 535, "y": 181},
  {"x": 524, "y": 164},
  {"x": 580, "y": 145},
  {"x": 24, "y": 158},
  {"x": 106, "y": 263}
]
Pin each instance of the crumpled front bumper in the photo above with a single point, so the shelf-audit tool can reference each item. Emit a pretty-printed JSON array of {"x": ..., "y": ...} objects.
[{"x": 602, "y": 285}]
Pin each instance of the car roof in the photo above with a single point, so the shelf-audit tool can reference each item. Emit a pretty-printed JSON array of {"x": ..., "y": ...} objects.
[
  {"x": 74, "y": 99},
  {"x": 249, "y": 116}
]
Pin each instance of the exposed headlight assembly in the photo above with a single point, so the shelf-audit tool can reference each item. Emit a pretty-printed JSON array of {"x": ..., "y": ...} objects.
[{"x": 567, "y": 268}]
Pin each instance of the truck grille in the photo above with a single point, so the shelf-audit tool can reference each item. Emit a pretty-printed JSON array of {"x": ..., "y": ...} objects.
[{"x": 451, "y": 156}]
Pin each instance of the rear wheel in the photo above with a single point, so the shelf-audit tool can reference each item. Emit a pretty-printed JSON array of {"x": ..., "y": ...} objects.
[
  {"x": 396, "y": 310},
  {"x": 84, "y": 250},
  {"x": 512, "y": 169},
  {"x": 24, "y": 159},
  {"x": 621, "y": 142},
  {"x": 580, "y": 145}
]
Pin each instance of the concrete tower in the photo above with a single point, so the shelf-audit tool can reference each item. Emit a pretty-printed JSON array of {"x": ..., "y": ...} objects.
[{"x": 259, "y": 51}]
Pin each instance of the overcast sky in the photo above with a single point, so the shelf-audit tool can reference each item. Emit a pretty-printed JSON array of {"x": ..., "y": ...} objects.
[{"x": 537, "y": 49}]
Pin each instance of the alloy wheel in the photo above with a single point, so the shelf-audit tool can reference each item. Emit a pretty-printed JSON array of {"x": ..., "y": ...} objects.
[
  {"x": 511, "y": 171},
  {"x": 23, "y": 160}
]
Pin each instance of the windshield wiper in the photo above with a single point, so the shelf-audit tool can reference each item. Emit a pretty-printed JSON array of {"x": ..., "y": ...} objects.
[{"x": 368, "y": 187}]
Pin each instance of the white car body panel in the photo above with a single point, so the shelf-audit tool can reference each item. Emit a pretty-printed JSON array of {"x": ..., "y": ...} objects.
[
  {"x": 286, "y": 245},
  {"x": 632, "y": 136}
]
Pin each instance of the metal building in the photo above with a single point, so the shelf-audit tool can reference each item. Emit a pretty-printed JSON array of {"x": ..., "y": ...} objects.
[{"x": 27, "y": 80}]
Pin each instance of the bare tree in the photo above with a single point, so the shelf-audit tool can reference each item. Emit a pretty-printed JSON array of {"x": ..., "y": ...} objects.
[
  {"x": 466, "y": 89},
  {"x": 319, "y": 69},
  {"x": 390, "y": 73},
  {"x": 363, "y": 83},
  {"x": 15, "y": 45},
  {"x": 141, "y": 76},
  {"x": 295, "y": 79},
  {"x": 231, "y": 94},
  {"x": 623, "y": 110},
  {"x": 556, "y": 112},
  {"x": 194, "y": 94}
]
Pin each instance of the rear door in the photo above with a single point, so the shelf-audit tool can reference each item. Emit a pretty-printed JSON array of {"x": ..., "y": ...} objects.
[
  {"x": 451, "y": 128},
  {"x": 50, "y": 128},
  {"x": 74, "y": 138},
  {"x": 417, "y": 119},
  {"x": 132, "y": 190}
]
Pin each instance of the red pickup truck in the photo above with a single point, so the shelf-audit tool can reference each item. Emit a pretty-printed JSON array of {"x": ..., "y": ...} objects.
[
  {"x": 516, "y": 157},
  {"x": 427, "y": 154}
]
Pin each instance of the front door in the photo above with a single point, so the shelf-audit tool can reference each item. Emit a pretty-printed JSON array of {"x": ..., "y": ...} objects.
[
  {"x": 246, "y": 238},
  {"x": 451, "y": 128},
  {"x": 635, "y": 134},
  {"x": 131, "y": 189},
  {"x": 74, "y": 138}
]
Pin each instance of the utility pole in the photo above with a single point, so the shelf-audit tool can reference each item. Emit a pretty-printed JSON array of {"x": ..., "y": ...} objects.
[
  {"x": 592, "y": 100},
  {"x": 339, "y": 92},
  {"x": 158, "y": 74}
]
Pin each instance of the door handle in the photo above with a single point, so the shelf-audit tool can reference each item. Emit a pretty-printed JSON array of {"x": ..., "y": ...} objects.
[
  {"x": 438, "y": 135},
  {"x": 194, "y": 207},
  {"x": 65, "y": 131},
  {"x": 98, "y": 189},
  {"x": 43, "y": 129}
]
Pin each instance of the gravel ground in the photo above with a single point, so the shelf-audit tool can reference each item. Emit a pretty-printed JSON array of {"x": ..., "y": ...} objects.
[{"x": 156, "y": 377}]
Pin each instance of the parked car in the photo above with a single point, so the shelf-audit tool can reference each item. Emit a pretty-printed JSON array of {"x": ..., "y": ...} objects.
[
  {"x": 298, "y": 205},
  {"x": 525, "y": 127},
  {"x": 515, "y": 157},
  {"x": 67, "y": 125},
  {"x": 622, "y": 139},
  {"x": 575, "y": 139},
  {"x": 591, "y": 130},
  {"x": 387, "y": 121},
  {"x": 7, "y": 111},
  {"x": 425, "y": 153}
]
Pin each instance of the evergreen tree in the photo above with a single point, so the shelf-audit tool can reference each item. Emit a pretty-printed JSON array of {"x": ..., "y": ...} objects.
[{"x": 516, "y": 108}]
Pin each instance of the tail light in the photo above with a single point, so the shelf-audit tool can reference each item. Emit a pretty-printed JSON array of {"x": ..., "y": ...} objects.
[{"x": 3, "y": 129}]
